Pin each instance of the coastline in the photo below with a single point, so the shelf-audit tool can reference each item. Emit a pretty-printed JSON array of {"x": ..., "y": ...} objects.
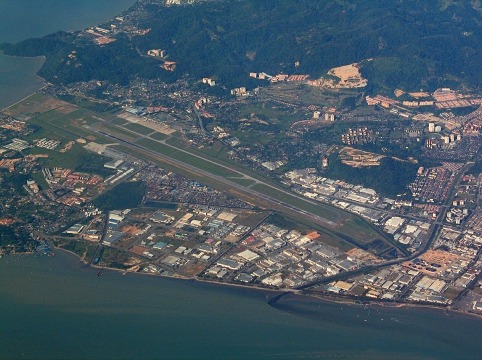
[
  {"x": 26, "y": 97},
  {"x": 321, "y": 297},
  {"x": 175, "y": 277},
  {"x": 317, "y": 297},
  {"x": 32, "y": 86}
]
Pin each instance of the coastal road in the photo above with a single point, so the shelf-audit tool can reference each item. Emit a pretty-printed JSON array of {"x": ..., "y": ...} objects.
[{"x": 434, "y": 231}]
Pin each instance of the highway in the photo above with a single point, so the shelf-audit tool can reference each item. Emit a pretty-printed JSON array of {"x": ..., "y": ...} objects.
[
  {"x": 279, "y": 205},
  {"x": 434, "y": 231}
]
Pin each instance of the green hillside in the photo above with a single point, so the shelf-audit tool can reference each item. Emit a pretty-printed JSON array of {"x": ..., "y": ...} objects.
[{"x": 414, "y": 43}]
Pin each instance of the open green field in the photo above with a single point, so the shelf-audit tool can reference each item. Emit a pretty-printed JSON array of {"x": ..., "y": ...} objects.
[
  {"x": 77, "y": 116},
  {"x": 218, "y": 153},
  {"x": 81, "y": 117},
  {"x": 246, "y": 136},
  {"x": 328, "y": 212},
  {"x": 118, "y": 121},
  {"x": 252, "y": 218},
  {"x": 140, "y": 129},
  {"x": 156, "y": 146},
  {"x": 69, "y": 126},
  {"x": 241, "y": 181},
  {"x": 158, "y": 136},
  {"x": 68, "y": 160},
  {"x": 204, "y": 165},
  {"x": 117, "y": 130},
  {"x": 77, "y": 158},
  {"x": 49, "y": 130},
  {"x": 27, "y": 106},
  {"x": 64, "y": 127},
  {"x": 47, "y": 116},
  {"x": 358, "y": 229},
  {"x": 272, "y": 113}
]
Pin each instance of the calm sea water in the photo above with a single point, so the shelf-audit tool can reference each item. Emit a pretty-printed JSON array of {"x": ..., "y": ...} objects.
[
  {"x": 54, "y": 308},
  {"x": 22, "y": 19},
  {"x": 57, "y": 309},
  {"x": 18, "y": 79}
]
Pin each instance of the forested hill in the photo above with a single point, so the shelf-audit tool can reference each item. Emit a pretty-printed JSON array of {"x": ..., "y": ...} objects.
[{"x": 414, "y": 43}]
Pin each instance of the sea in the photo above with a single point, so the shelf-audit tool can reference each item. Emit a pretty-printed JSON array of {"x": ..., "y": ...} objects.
[
  {"x": 57, "y": 308},
  {"x": 23, "y": 19}
]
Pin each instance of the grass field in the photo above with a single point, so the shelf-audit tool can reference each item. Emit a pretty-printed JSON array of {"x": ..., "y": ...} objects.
[
  {"x": 66, "y": 123},
  {"x": 359, "y": 230},
  {"x": 116, "y": 130},
  {"x": 218, "y": 153},
  {"x": 157, "y": 147},
  {"x": 241, "y": 181},
  {"x": 158, "y": 136},
  {"x": 49, "y": 130},
  {"x": 272, "y": 113},
  {"x": 322, "y": 210},
  {"x": 139, "y": 128},
  {"x": 204, "y": 165},
  {"x": 68, "y": 160},
  {"x": 118, "y": 121},
  {"x": 27, "y": 106}
]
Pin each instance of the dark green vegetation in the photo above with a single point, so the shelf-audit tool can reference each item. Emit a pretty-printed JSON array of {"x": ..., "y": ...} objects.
[
  {"x": 12, "y": 181},
  {"x": 414, "y": 43},
  {"x": 14, "y": 233},
  {"x": 123, "y": 196},
  {"x": 84, "y": 249},
  {"x": 77, "y": 159},
  {"x": 93, "y": 163},
  {"x": 115, "y": 62},
  {"x": 389, "y": 179},
  {"x": 476, "y": 168},
  {"x": 15, "y": 238},
  {"x": 114, "y": 258}
]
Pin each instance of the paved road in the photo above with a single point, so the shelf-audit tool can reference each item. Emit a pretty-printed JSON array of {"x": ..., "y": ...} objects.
[
  {"x": 250, "y": 193},
  {"x": 256, "y": 181},
  {"x": 434, "y": 231}
]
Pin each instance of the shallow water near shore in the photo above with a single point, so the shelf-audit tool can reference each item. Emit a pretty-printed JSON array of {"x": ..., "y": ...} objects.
[
  {"x": 57, "y": 308},
  {"x": 18, "y": 78},
  {"x": 23, "y": 19}
]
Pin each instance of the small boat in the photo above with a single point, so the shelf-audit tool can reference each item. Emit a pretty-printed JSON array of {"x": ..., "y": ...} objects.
[{"x": 101, "y": 272}]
